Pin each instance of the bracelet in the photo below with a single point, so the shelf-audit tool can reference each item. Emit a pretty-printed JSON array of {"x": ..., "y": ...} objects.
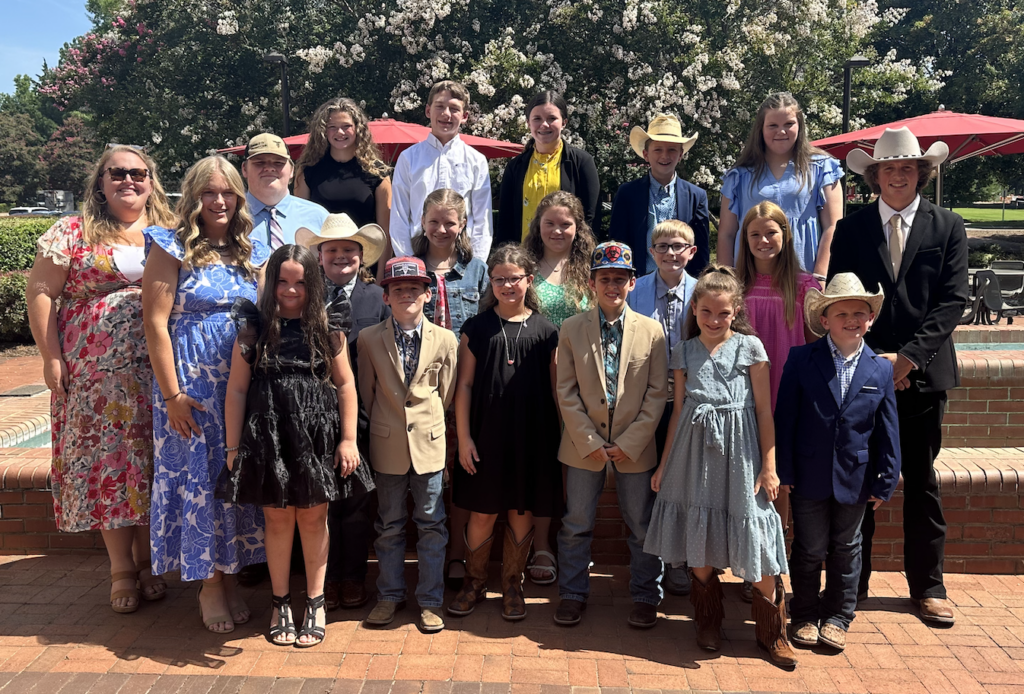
[
  {"x": 172, "y": 397},
  {"x": 231, "y": 449},
  {"x": 820, "y": 278}
]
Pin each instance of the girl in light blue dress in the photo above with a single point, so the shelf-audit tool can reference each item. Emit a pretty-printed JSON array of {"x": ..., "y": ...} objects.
[
  {"x": 193, "y": 275},
  {"x": 779, "y": 164}
]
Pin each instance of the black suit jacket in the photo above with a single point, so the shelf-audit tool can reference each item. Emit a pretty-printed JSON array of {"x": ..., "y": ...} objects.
[
  {"x": 368, "y": 310},
  {"x": 925, "y": 303},
  {"x": 629, "y": 221}
]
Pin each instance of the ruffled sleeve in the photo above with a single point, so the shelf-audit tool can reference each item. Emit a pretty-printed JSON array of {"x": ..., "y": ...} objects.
[
  {"x": 829, "y": 171},
  {"x": 167, "y": 239},
  {"x": 260, "y": 252},
  {"x": 750, "y": 351},
  {"x": 339, "y": 322},
  {"x": 246, "y": 318},
  {"x": 58, "y": 243},
  {"x": 678, "y": 359},
  {"x": 733, "y": 183}
]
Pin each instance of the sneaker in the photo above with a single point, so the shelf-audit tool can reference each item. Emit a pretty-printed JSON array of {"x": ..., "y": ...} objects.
[
  {"x": 805, "y": 634},
  {"x": 569, "y": 612},
  {"x": 676, "y": 580},
  {"x": 384, "y": 613},
  {"x": 643, "y": 615}
]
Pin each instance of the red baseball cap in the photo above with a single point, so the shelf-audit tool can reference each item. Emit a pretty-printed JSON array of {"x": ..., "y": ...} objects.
[{"x": 405, "y": 269}]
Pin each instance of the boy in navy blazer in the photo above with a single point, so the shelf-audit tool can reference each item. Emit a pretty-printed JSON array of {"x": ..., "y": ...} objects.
[
  {"x": 837, "y": 449},
  {"x": 660, "y": 195}
]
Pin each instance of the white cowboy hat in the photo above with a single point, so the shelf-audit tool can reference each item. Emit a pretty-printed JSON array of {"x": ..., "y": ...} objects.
[
  {"x": 340, "y": 226},
  {"x": 893, "y": 145},
  {"x": 843, "y": 287},
  {"x": 663, "y": 129}
]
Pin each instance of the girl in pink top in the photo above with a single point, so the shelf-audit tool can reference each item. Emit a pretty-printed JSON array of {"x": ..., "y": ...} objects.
[{"x": 774, "y": 290}]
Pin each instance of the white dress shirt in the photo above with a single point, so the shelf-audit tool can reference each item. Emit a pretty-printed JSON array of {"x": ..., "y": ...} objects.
[
  {"x": 428, "y": 166},
  {"x": 908, "y": 213}
]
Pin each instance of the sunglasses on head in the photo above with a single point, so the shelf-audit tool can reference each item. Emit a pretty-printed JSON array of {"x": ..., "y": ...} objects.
[{"x": 118, "y": 174}]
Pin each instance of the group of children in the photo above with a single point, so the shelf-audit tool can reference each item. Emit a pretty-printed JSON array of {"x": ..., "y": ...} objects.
[{"x": 555, "y": 353}]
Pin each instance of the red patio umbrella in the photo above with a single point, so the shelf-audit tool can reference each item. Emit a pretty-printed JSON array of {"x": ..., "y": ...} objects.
[
  {"x": 967, "y": 135},
  {"x": 394, "y": 136}
]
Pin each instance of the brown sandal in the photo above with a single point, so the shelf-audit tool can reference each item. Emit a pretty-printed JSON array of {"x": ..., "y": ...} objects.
[
  {"x": 152, "y": 581},
  {"x": 132, "y": 592}
]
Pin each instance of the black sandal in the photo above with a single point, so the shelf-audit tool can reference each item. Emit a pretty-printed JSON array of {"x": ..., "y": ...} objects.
[
  {"x": 309, "y": 627},
  {"x": 284, "y": 625}
]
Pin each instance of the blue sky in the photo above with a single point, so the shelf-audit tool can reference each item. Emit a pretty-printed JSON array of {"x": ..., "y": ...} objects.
[{"x": 35, "y": 30}]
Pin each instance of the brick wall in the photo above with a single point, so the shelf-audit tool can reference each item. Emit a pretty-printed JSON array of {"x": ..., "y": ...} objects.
[{"x": 987, "y": 411}]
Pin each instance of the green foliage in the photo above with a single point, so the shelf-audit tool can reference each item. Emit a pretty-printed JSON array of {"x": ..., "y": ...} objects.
[
  {"x": 13, "y": 307},
  {"x": 20, "y": 147},
  {"x": 27, "y": 100},
  {"x": 69, "y": 155},
  {"x": 18, "y": 236},
  {"x": 983, "y": 256}
]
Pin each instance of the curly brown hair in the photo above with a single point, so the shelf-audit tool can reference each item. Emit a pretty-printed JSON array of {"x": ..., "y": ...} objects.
[
  {"x": 368, "y": 154},
  {"x": 925, "y": 173},
  {"x": 511, "y": 253},
  {"x": 577, "y": 268}
]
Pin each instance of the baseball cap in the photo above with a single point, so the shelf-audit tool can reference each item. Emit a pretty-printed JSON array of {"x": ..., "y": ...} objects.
[
  {"x": 267, "y": 143},
  {"x": 404, "y": 269},
  {"x": 612, "y": 254}
]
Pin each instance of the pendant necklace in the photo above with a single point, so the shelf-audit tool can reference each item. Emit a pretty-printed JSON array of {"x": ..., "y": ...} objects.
[{"x": 510, "y": 355}]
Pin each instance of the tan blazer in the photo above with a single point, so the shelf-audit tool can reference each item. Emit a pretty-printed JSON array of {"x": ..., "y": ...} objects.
[
  {"x": 407, "y": 425},
  {"x": 642, "y": 391}
]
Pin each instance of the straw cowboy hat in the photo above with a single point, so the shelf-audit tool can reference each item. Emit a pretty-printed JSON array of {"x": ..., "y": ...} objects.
[
  {"x": 340, "y": 226},
  {"x": 894, "y": 145},
  {"x": 663, "y": 129},
  {"x": 843, "y": 287}
]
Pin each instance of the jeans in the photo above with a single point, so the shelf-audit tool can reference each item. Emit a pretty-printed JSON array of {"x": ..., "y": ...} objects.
[
  {"x": 828, "y": 531},
  {"x": 583, "y": 490},
  {"x": 429, "y": 516},
  {"x": 350, "y": 525}
]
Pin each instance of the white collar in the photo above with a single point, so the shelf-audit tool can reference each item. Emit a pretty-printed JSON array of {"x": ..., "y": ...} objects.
[
  {"x": 908, "y": 213},
  {"x": 436, "y": 144}
]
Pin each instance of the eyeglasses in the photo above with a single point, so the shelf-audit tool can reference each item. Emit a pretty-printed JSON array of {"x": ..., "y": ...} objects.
[
  {"x": 674, "y": 247},
  {"x": 502, "y": 281},
  {"x": 118, "y": 174}
]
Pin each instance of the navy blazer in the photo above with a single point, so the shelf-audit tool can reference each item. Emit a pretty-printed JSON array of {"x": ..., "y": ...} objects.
[
  {"x": 824, "y": 447},
  {"x": 630, "y": 216}
]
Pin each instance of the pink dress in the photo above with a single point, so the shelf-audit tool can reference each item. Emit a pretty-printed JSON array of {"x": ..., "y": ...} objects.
[{"x": 768, "y": 316}]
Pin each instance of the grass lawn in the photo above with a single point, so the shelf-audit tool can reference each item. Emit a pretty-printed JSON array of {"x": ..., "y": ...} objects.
[{"x": 989, "y": 215}]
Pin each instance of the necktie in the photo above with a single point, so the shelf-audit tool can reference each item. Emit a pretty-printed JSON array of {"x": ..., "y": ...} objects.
[
  {"x": 276, "y": 233},
  {"x": 896, "y": 243}
]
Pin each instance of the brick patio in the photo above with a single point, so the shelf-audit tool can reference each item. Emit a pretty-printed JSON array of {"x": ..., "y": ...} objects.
[{"x": 57, "y": 634}]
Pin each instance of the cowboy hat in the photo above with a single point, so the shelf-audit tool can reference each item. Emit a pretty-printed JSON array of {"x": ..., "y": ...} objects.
[
  {"x": 844, "y": 286},
  {"x": 894, "y": 145},
  {"x": 663, "y": 129},
  {"x": 340, "y": 226}
]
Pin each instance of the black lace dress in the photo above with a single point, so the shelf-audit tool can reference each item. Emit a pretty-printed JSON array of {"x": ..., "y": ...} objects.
[{"x": 292, "y": 426}]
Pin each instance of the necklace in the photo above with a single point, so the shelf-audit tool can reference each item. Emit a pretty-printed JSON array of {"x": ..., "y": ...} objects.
[
  {"x": 557, "y": 268},
  {"x": 510, "y": 355},
  {"x": 221, "y": 247}
]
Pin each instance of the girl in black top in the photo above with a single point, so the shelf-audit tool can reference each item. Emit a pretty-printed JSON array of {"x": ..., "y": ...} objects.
[{"x": 342, "y": 168}]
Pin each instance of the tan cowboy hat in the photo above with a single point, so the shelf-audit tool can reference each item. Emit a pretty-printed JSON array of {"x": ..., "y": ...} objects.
[
  {"x": 340, "y": 226},
  {"x": 893, "y": 145},
  {"x": 843, "y": 286},
  {"x": 663, "y": 129}
]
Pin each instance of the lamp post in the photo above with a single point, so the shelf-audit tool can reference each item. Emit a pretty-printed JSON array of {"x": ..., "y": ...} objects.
[
  {"x": 275, "y": 57},
  {"x": 854, "y": 62}
]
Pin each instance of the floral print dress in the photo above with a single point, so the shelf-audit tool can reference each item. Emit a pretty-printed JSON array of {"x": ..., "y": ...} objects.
[
  {"x": 102, "y": 431},
  {"x": 191, "y": 529}
]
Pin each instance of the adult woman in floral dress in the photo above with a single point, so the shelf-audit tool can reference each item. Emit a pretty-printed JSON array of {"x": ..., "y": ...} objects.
[
  {"x": 194, "y": 273},
  {"x": 97, "y": 367}
]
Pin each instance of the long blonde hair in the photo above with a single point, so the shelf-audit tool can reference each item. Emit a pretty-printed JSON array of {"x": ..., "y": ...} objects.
[
  {"x": 368, "y": 154},
  {"x": 787, "y": 267},
  {"x": 99, "y": 227},
  {"x": 577, "y": 267},
  {"x": 446, "y": 199},
  {"x": 198, "y": 251},
  {"x": 753, "y": 154}
]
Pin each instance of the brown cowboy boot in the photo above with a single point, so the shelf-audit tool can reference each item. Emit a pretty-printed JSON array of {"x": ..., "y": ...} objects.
[
  {"x": 474, "y": 585},
  {"x": 770, "y": 628},
  {"x": 708, "y": 612},
  {"x": 513, "y": 562}
]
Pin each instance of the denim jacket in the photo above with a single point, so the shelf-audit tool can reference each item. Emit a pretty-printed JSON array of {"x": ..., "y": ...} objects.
[{"x": 465, "y": 284}]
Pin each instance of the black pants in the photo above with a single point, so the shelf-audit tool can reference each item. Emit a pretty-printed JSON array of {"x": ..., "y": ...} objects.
[
  {"x": 349, "y": 523},
  {"x": 924, "y": 527},
  {"x": 661, "y": 433}
]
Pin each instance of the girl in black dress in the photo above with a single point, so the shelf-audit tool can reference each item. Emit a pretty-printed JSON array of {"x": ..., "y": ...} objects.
[
  {"x": 508, "y": 425},
  {"x": 342, "y": 168},
  {"x": 290, "y": 417}
]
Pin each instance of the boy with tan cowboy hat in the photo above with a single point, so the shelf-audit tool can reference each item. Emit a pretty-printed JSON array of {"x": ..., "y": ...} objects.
[
  {"x": 660, "y": 195},
  {"x": 916, "y": 253},
  {"x": 345, "y": 251},
  {"x": 837, "y": 447}
]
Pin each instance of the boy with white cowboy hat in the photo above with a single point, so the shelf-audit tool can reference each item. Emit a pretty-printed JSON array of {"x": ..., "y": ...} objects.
[
  {"x": 916, "y": 253},
  {"x": 837, "y": 448},
  {"x": 660, "y": 195},
  {"x": 345, "y": 251}
]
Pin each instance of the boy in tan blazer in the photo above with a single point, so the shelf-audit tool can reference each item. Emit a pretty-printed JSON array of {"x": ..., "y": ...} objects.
[
  {"x": 407, "y": 368},
  {"x": 612, "y": 388}
]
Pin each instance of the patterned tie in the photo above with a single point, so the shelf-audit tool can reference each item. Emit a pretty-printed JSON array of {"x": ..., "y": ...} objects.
[
  {"x": 410, "y": 356},
  {"x": 609, "y": 338},
  {"x": 276, "y": 233},
  {"x": 896, "y": 243}
]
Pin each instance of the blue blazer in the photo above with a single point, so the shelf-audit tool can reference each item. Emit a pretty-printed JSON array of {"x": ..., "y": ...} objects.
[
  {"x": 643, "y": 298},
  {"x": 824, "y": 447},
  {"x": 629, "y": 220}
]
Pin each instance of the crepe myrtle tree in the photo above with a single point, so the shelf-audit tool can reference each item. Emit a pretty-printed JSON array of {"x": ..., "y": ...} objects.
[{"x": 186, "y": 76}]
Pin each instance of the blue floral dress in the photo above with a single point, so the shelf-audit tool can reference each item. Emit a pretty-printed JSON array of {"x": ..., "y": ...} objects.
[{"x": 190, "y": 529}]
